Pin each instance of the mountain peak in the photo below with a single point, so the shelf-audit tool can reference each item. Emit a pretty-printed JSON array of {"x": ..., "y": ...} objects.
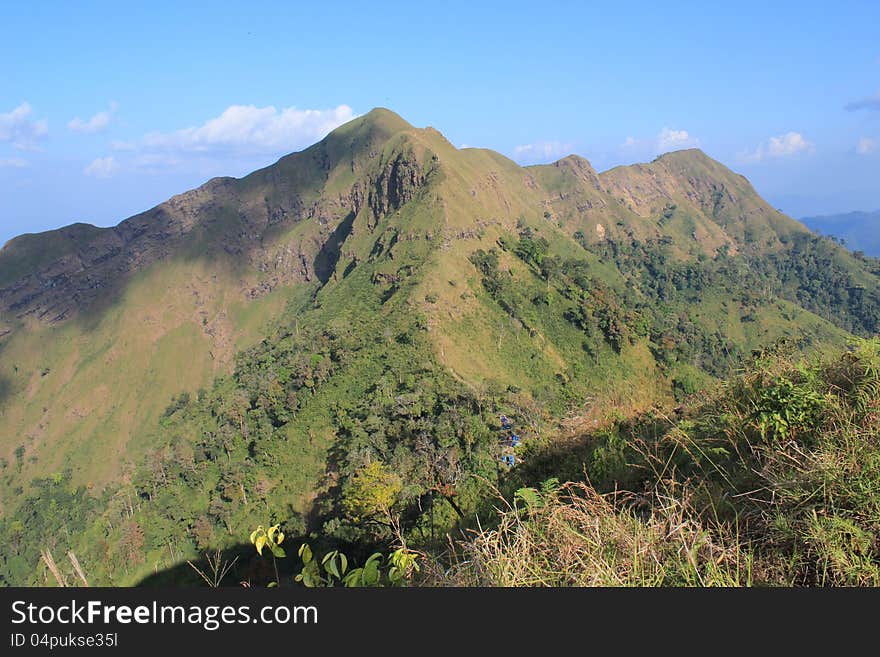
[
  {"x": 696, "y": 162},
  {"x": 573, "y": 159},
  {"x": 383, "y": 114},
  {"x": 364, "y": 134},
  {"x": 685, "y": 155},
  {"x": 379, "y": 121}
]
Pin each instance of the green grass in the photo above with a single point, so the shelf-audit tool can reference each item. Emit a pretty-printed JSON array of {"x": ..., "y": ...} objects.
[
  {"x": 107, "y": 384},
  {"x": 405, "y": 314},
  {"x": 753, "y": 487}
]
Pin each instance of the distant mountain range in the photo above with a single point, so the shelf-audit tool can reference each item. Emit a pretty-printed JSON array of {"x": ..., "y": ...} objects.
[{"x": 860, "y": 230}]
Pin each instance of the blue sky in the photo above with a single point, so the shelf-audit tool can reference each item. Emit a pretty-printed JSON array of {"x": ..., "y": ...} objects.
[{"x": 106, "y": 111}]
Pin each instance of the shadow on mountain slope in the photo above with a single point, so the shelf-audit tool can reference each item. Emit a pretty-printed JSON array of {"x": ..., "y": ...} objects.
[
  {"x": 247, "y": 568},
  {"x": 5, "y": 389},
  {"x": 328, "y": 256}
]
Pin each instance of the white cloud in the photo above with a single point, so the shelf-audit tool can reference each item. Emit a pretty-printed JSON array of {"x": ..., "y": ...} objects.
[
  {"x": 668, "y": 139},
  {"x": 542, "y": 151},
  {"x": 790, "y": 143},
  {"x": 867, "y": 145},
  {"x": 98, "y": 123},
  {"x": 102, "y": 167},
  {"x": 246, "y": 129},
  {"x": 787, "y": 145},
  {"x": 240, "y": 139},
  {"x": 20, "y": 130},
  {"x": 13, "y": 162}
]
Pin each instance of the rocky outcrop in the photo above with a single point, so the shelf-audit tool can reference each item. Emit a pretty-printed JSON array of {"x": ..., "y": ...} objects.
[{"x": 396, "y": 184}]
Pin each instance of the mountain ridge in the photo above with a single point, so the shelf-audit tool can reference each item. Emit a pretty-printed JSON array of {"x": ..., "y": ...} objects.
[
  {"x": 175, "y": 218},
  {"x": 256, "y": 316}
]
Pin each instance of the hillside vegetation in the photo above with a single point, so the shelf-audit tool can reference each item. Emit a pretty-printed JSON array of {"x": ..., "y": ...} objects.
[
  {"x": 773, "y": 481},
  {"x": 328, "y": 343}
]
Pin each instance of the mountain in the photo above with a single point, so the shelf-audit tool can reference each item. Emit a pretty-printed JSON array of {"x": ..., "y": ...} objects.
[
  {"x": 859, "y": 230},
  {"x": 347, "y": 322}
]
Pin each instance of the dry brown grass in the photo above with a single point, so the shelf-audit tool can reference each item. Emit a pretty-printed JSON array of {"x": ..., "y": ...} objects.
[
  {"x": 575, "y": 536},
  {"x": 775, "y": 481}
]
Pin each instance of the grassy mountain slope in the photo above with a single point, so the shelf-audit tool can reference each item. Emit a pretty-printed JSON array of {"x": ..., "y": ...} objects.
[
  {"x": 773, "y": 480},
  {"x": 252, "y": 346},
  {"x": 97, "y": 338},
  {"x": 711, "y": 197}
]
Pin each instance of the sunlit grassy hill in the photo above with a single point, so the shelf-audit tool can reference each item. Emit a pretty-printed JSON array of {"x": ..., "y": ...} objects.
[{"x": 242, "y": 351}]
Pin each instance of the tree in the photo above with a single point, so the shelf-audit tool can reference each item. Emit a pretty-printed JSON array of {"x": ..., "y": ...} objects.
[
  {"x": 373, "y": 492},
  {"x": 131, "y": 544},
  {"x": 203, "y": 532}
]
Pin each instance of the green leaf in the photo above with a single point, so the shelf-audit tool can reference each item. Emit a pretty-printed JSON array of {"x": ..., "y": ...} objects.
[
  {"x": 277, "y": 551},
  {"x": 261, "y": 542},
  {"x": 330, "y": 565},
  {"x": 550, "y": 485},
  {"x": 530, "y": 496},
  {"x": 305, "y": 552},
  {"x": 371, "y": 572},
  {"x": 353, "y": 579}
]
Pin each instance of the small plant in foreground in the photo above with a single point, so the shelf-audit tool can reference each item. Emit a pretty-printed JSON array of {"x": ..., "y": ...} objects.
[
  {"x": 400, "y": 566},
  {"x": 272, "y": 537}
]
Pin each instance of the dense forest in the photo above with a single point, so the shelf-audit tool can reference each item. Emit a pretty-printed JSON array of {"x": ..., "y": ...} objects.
[{"x": 393, "y": 446}]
